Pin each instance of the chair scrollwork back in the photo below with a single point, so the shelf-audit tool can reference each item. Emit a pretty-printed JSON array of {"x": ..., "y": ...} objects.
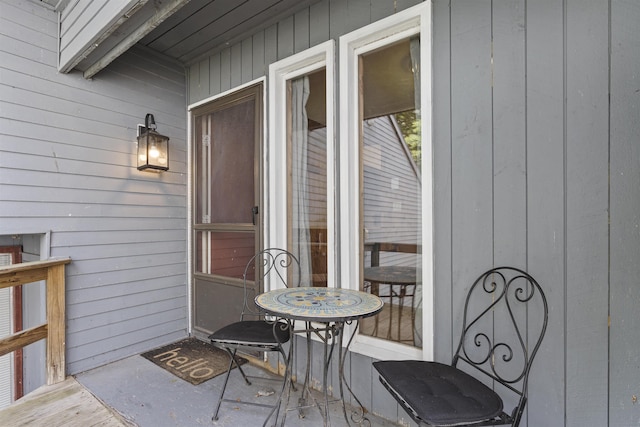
[{"x": 505, "y": 319}]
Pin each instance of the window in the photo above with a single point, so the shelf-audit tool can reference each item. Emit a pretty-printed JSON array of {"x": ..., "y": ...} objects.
[
  {"x": 386, "y": 179},
  {"x": 301, "y": 137}
]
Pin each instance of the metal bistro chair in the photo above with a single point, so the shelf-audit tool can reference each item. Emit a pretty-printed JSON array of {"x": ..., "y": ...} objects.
[
  {"x": 505, "y": 318},
  {"x": 253, "y": 332}
]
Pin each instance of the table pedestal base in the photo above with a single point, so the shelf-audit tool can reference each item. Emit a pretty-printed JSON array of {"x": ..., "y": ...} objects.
[{"x": 330, "y": 334}]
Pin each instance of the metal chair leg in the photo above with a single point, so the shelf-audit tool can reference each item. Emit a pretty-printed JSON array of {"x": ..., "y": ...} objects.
[
  {"x": 233, "y": 359},
  {"x": 224, "y": 388},
  {"x": 287, "y": 386}
]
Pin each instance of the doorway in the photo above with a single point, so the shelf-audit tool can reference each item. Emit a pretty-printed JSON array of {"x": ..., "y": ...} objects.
[{"x": 226, "y": 134}]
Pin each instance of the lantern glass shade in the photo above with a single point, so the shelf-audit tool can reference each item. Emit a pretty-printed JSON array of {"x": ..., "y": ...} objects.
[{"x": 153, "y": 150}]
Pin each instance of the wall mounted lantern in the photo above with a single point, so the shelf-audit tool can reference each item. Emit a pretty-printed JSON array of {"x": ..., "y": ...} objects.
[{"x": 153, "y": 148}]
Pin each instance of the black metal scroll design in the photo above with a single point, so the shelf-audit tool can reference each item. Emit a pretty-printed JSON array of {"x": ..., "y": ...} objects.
[
  {"x": 278, "y": 262},
  {"x": 505, "y": 318},
  {"x": 283, "y": 269},
  {"x": 279, "y": 266}
]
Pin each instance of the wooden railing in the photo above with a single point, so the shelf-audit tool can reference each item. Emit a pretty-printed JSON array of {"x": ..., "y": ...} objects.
[
  {"x": 54, "y": 330},
  {"x": 376, "y": 247}
]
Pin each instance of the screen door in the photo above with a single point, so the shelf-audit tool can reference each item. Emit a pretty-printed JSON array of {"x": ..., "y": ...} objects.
[{"x": 227, "y": 139}]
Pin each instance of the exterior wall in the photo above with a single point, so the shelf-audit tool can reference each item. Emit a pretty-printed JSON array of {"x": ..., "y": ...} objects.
[
  {"x": 250, "y": 58},
  {"x": 534, "y": 167},
  {"x": 624, "y": 216},
  {"x": 68, "y": 165}
]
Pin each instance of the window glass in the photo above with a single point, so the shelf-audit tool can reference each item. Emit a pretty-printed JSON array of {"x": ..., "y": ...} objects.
[
  {"x": 391, "y": 188},
  {"x": 307, "y": 153}
]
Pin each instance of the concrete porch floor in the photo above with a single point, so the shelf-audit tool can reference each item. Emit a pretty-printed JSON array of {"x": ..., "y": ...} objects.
[{"x": 148, "y": 396}]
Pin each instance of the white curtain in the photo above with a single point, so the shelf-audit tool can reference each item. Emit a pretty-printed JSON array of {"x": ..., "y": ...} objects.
[
  {"x": 414, "y": 49},
  {"x": 299, "y": 155}
]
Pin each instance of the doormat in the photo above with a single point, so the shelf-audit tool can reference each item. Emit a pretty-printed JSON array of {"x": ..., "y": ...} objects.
[{"x": 192, "y": 360}]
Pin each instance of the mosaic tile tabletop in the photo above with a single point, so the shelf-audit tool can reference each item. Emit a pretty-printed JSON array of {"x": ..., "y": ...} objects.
[{"x": 319, "y": 304}]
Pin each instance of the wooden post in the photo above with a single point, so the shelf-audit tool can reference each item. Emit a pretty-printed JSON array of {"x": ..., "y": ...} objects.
[
  {"x": 375, "y": 255},
  {"x": 56, "y": 325}
]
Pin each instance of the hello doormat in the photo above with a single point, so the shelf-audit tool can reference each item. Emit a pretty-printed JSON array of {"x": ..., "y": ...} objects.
[{"x": 191, "y": 359}]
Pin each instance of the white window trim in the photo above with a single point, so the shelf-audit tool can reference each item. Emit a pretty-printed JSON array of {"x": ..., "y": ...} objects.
[
  {"x": 415, "y": 20},
  {"x": 315, "y": 58}
]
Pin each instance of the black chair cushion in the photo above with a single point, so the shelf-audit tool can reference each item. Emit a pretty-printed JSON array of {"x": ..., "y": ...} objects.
[
  {"x": 252, "y": 332},
  {"x": 440, "y": 394}
]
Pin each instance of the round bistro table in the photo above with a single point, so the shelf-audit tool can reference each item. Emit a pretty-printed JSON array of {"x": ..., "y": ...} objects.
[{"x": 332, "y": 308}]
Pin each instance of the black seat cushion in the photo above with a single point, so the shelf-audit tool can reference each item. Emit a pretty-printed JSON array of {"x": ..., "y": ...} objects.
[
  {"x": 440, "y": 394},
  {"x": 251, "y": 333}
]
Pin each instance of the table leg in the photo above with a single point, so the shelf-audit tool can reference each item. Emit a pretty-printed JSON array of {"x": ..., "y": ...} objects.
[
  {"x": 358, "y": 415},
  {"x": 287, "y": 385},
  {"x": 306, "y": 393},
  {"x": 328, "y": 336},
  {"x": 331, "y": 335},
  {"x": 403, "y": 292},
  {"x": 331, "y": 332},
  {"x": 375, "y": 290},
  {"x": 413, "y": 313}
]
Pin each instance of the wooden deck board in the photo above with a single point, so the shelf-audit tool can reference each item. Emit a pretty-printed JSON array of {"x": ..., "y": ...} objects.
[{"x": 66, "y": 404}]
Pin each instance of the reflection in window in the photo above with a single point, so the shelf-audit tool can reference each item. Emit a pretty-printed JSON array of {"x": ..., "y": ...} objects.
[
  {"x": 307, "y": 148},
  {"x": 391, "y": 148}
]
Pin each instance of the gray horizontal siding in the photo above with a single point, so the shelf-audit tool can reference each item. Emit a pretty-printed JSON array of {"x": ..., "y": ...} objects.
[
  {"x": 385, "y": 223},
  {"x": 67, "y": 164}
]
